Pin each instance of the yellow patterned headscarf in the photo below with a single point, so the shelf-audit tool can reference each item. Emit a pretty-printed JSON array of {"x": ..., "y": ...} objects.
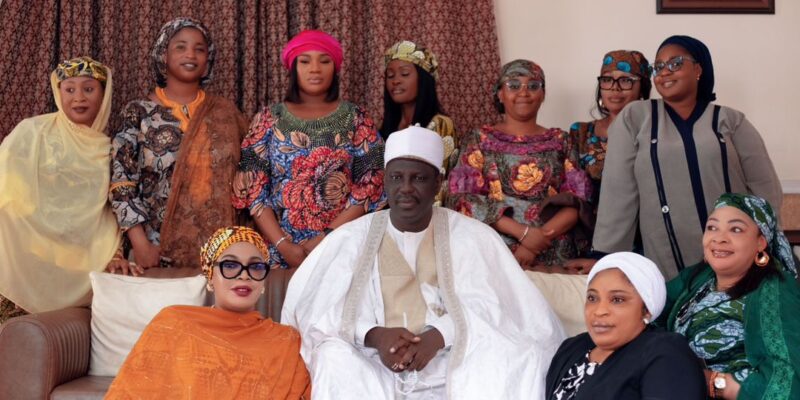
[
  {"x": 409, "y": 51},
  {"x": 224, "y": 238},
  {"x": 81, "y": 66}
]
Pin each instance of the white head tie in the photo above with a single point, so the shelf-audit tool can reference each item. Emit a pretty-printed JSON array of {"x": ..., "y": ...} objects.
[{"x": 643, "y": 274}]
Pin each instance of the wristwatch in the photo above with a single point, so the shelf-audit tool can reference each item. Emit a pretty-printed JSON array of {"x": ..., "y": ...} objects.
[{"x": 720, "y": 383}]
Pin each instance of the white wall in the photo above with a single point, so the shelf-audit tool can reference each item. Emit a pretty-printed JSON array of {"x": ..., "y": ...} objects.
[{"x": 756, "y": 59}]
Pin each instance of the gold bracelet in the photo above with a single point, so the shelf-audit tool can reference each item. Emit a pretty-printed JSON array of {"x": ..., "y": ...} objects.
[
  {"x": 278, "y": 243},
  {"x": 524, "y": 234},
  {"x": 117, "y": 185}
]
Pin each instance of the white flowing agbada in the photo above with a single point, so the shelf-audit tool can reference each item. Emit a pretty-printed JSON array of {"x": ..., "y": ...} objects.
[{"x": 503, "y": 337}]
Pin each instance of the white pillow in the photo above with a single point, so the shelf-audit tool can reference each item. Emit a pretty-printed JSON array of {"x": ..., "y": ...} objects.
[
  {"x": 122, "y": 307},
  {"x": 566, "y": 294}
]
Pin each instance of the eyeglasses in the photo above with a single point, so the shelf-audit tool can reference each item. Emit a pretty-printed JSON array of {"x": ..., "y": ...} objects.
[
  {"x": 673, "y": 64},
  {"x": 514, "y": 85},
  {"x": 232, "y": 269},
  {"x": 623, "y": 82}
]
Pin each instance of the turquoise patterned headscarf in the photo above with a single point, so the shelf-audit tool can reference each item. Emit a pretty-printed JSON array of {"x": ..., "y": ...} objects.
[{"x": 761, "y": 212}]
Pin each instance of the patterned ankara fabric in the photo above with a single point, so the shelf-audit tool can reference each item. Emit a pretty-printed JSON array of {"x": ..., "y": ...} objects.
[
  {"x": 714, "y": 326},
  {"x": 409, "y": 51},
  {"x": 591, "y": 155},
  {"x": 171, "y": 181},
  {"x": 81, "y": 66},
  {"x": 761, "y": 212},
  {"x": 203, "y": 353},
  {"x": 308, "y": 171},
  {"x": 771, "y": 332},
  {"x": 504, "y": 175},
  {"x": 248, "y": 42},
  {"x": 632, "y": 62},
  {"x": 517, "y": 68},
  {"x": 224, "y": 238}
]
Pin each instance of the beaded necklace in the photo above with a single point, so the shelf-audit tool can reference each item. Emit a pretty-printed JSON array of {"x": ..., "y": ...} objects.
[{"x": 321, "y": 131}]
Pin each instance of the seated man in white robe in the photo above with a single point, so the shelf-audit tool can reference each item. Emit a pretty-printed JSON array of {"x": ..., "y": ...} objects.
[{"x": 419, "y": 302}]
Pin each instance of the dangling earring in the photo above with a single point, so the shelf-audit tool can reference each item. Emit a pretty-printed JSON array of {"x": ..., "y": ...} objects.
[
  {"x": 600, "y": 103},
  {"x": 762, "y": 258},
  {"x": 263, "y": 290},
  {"x": 209, "y": 287}
]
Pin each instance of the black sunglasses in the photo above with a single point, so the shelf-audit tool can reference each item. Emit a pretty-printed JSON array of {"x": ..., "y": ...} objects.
[{"x": 232, "y": 269}]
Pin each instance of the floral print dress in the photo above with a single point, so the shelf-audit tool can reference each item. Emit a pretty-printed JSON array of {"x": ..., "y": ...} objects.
[
  {"x": 144, "y": 153},
  {"x": 308, "y": 171},
  {"x": 519, "y": 177},
  {"x": 591, "y": 154},
  {"x": 173, "y": 178}
]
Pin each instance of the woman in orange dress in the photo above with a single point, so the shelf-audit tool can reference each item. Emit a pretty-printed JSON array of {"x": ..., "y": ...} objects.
[{"x": 227, "y": 351}]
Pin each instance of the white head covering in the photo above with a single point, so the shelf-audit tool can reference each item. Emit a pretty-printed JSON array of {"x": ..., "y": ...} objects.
[
  {"x": 643, "y": 274},
  {"x": 416, "y": 143}
]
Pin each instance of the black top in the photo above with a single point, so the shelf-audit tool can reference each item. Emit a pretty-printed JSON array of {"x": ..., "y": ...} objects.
[{"x": 655, "y": 365}]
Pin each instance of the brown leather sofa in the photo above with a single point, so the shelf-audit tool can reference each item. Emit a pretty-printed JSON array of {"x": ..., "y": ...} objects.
[{"x": 46, "y": 355}]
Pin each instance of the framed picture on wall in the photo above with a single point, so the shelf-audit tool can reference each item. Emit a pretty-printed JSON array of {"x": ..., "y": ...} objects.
[{"x": 715, "y": 6}]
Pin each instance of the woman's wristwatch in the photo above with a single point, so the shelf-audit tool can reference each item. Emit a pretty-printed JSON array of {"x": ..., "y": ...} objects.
[{"x": 717, "y": 384}]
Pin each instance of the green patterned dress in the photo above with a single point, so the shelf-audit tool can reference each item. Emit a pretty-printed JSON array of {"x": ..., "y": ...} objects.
[
  {"x": 756, "y": 337},
  {"x": 714, "y": 325}
]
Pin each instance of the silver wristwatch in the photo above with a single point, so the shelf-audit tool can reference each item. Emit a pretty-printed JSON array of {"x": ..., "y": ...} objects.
[{"x": 720, "y": 383}]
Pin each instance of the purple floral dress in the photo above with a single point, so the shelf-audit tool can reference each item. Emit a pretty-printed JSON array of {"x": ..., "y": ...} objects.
[{"x": 525, "y": 178}]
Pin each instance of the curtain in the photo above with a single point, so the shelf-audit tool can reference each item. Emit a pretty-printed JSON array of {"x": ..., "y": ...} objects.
[{"x": 249, "y": 35}]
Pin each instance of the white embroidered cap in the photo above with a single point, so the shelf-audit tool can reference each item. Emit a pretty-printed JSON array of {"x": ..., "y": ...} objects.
[{"x": 417, "y": 143}]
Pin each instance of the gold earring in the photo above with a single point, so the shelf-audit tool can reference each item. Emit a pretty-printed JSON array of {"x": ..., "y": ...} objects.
[{"x": 762, "y": 258}]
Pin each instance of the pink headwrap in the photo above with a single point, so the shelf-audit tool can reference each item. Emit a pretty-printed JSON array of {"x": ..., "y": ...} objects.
[{"x": 312, "y": 40}]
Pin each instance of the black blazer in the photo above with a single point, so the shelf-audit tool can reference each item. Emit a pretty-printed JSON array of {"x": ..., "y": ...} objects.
[{"x": 654, "y": 366}]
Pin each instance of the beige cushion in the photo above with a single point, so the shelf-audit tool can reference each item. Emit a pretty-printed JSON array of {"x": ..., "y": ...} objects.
[
  {"x": 123, "y": 305},
  {"x": 566, "y": 295}
]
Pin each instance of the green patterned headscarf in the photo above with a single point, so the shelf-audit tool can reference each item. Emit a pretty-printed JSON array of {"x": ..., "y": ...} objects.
[
  {"x": 761, "y": 212},
  {"x": 517, "y": 68}
]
